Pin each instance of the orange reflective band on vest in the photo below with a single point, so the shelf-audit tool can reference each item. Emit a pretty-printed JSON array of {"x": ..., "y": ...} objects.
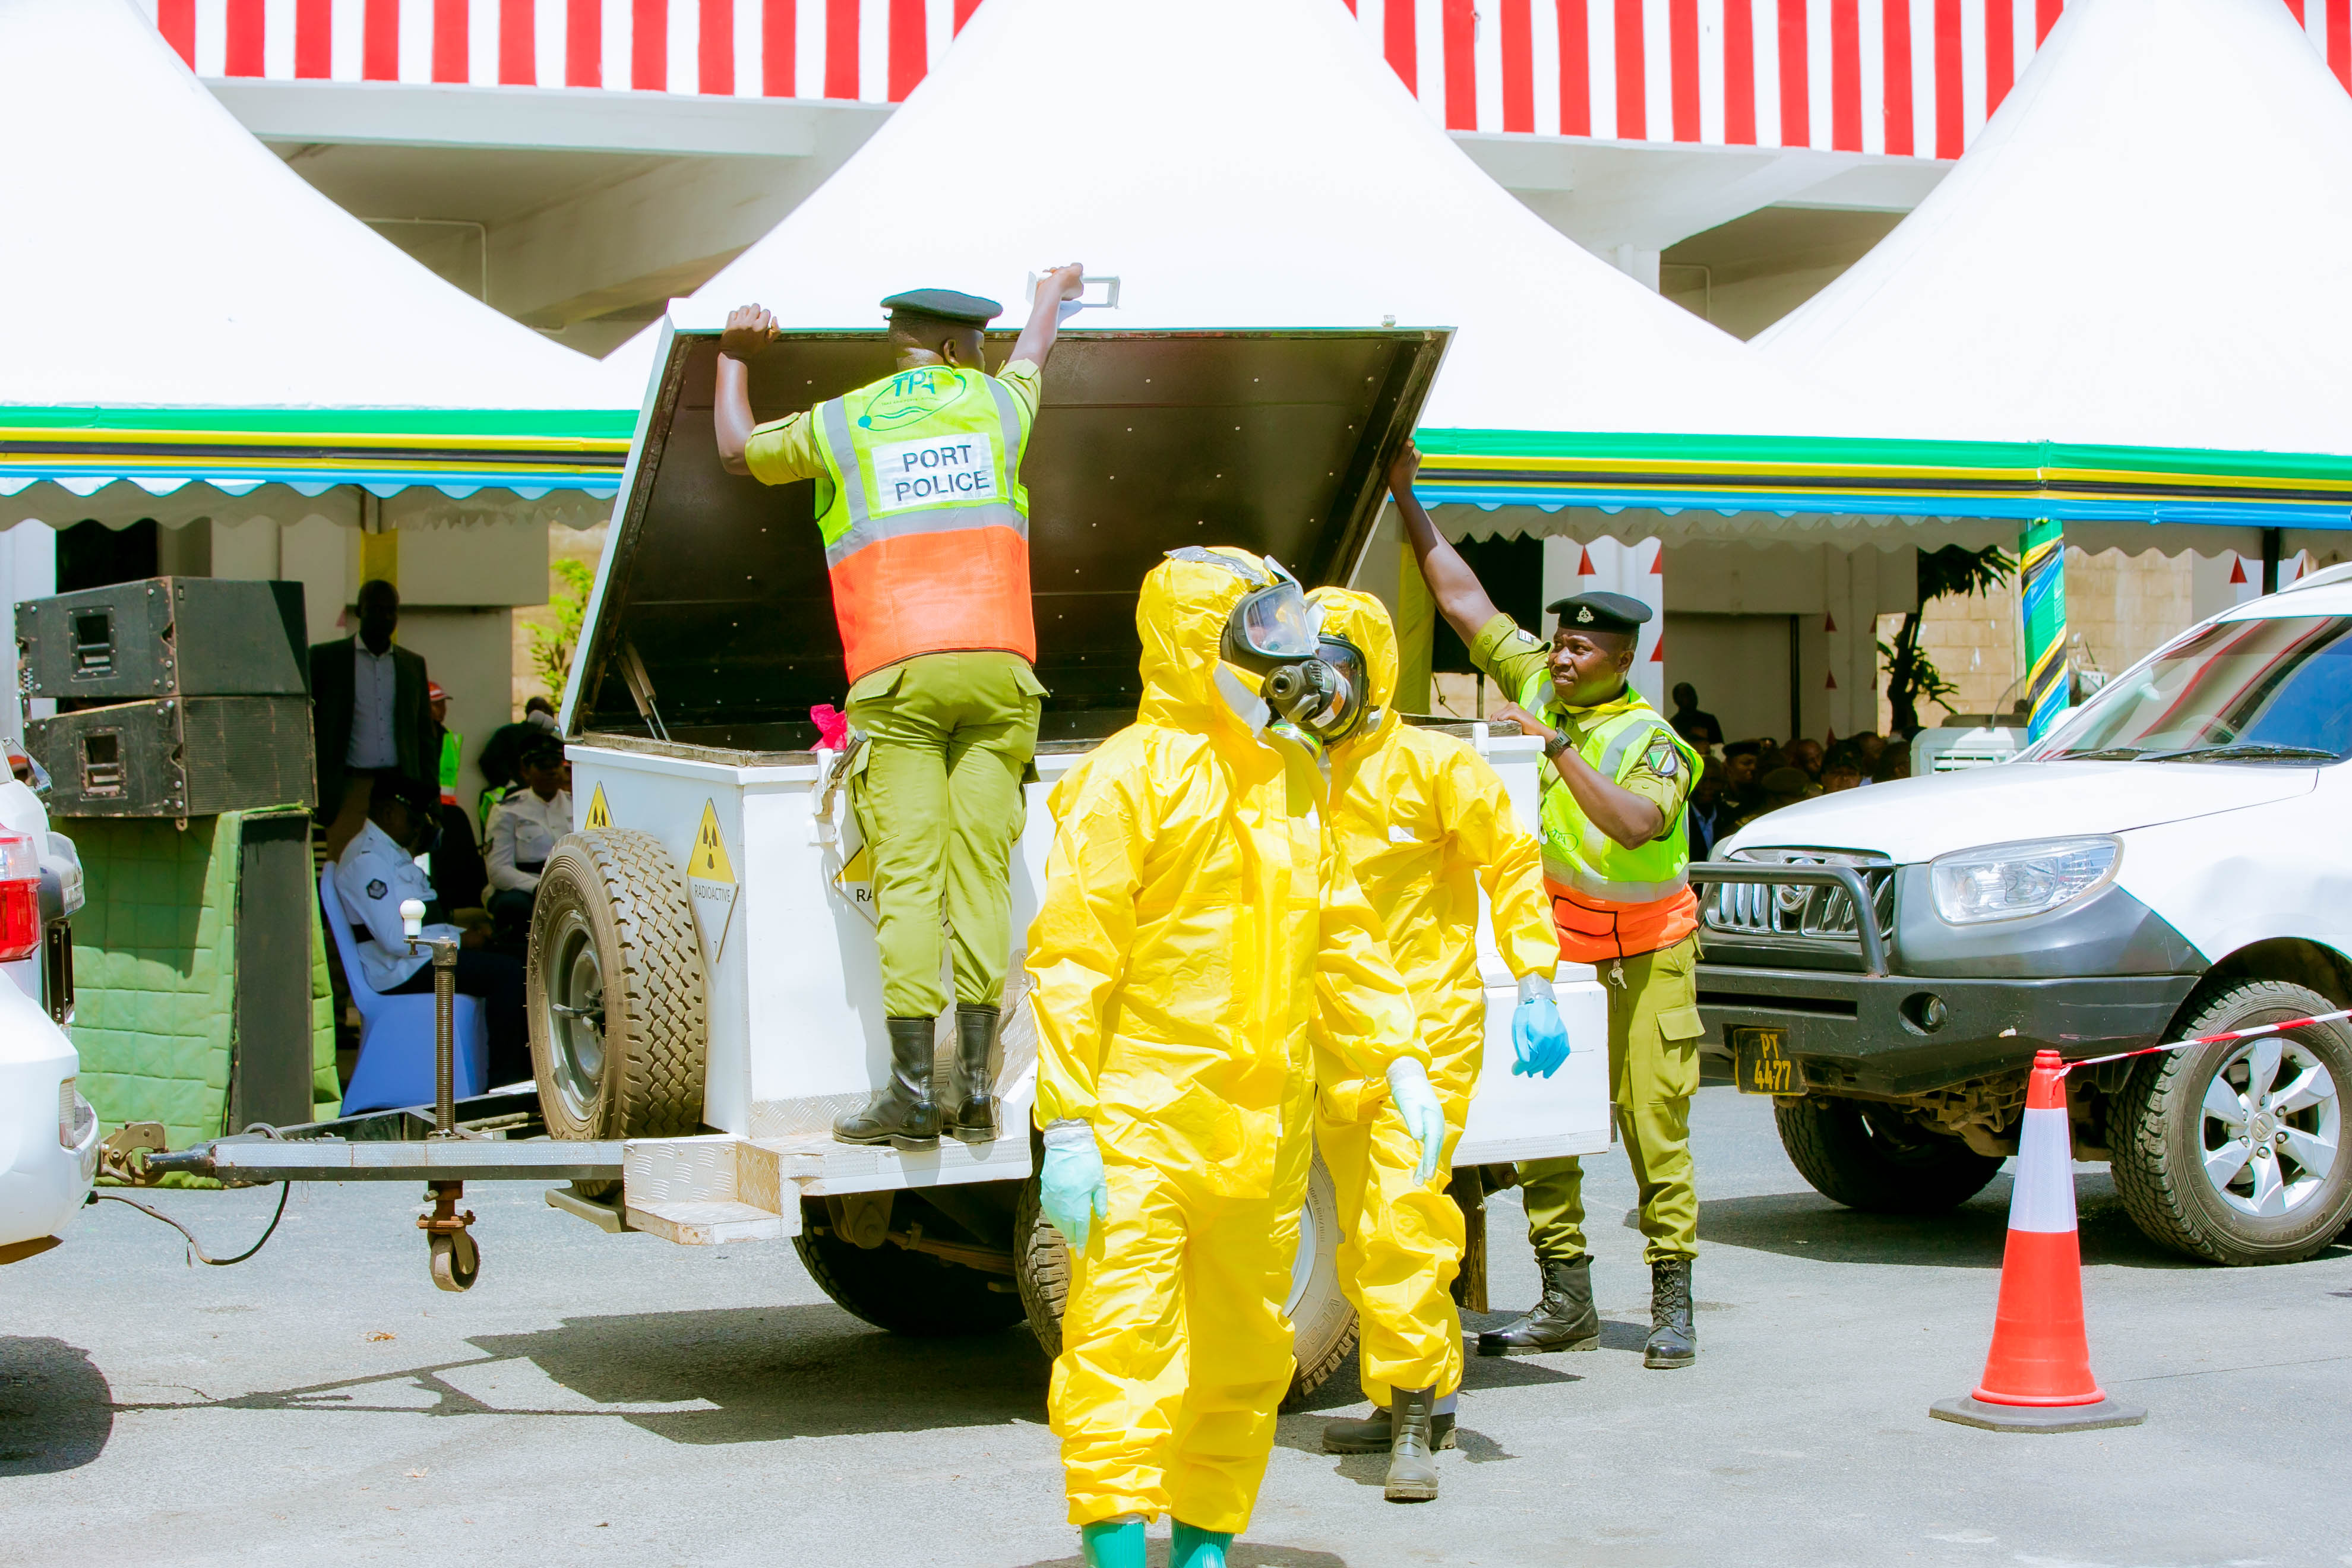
[
  {"x": 950, "y": 574},
  {"x": 1592, "y": 930}
]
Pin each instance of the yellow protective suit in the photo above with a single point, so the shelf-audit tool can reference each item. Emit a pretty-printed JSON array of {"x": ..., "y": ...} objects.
[
  {"x": 1199, "y": 942},
  {"x": 1423, "y": 821}
]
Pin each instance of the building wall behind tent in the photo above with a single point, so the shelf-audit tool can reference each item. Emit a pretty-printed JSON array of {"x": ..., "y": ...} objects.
[{"x": 2119, "y": 608}]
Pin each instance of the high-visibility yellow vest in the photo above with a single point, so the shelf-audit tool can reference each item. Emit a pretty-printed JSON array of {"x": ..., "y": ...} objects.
[
  {"x": 1610, "y": 901},
  {"x": 926, "y": 524}
]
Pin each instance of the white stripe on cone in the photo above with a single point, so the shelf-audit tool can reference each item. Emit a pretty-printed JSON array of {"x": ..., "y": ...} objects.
[{"x": 2043, "y": 1197}]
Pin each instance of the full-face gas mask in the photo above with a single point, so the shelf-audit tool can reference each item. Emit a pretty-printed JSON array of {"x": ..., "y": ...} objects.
[
  {"x": 1313, "y": 682},
  {"x": 1328, "y": 696}
]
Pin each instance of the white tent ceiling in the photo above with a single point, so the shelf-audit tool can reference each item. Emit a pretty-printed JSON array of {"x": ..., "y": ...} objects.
[
  {"x": 156, "y": 254},
  {"x": 2150, "y": 245},
  {"x": 1244, "y": 163},
  {"x": 175, "y": 290}
]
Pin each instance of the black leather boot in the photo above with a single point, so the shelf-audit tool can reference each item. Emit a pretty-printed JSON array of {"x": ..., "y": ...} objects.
[
  {"x": 901, "y": 1110},
  {"x": 1377, "y": 1433},
  {"x": 973, "y": 1092},
  {"x": 1412, "y": 1466},
  {"x": 1673, "y": 1341},
  {"x": 1563, "y": 1320}
]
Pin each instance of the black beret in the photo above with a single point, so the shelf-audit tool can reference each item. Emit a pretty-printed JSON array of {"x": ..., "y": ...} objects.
[
  {"x": 1601, "y": 612},
  {"x": 945, "y": 304}
]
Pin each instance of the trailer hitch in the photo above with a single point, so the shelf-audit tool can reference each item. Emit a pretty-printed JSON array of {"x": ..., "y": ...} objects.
[{"x": 453, "y": 1259}]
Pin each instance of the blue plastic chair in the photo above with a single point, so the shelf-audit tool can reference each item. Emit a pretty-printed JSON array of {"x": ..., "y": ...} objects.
[{"x": 395, "y": 1065}]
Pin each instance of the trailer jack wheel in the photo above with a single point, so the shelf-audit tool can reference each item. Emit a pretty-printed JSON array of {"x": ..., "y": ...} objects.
[{"x": 455, "y": 1261}]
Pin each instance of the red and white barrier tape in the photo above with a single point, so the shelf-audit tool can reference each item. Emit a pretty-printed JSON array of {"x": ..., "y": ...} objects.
[{"x": 2280, "y": 1028}]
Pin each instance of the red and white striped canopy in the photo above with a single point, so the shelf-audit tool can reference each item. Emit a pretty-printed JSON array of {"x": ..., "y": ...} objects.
[{"x": 1916, "y": 78}]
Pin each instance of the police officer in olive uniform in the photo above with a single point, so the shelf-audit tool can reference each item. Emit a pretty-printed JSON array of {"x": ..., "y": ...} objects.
[
  {"x": 926, "y": 527},
  {"x": 1616, "y": 858}
]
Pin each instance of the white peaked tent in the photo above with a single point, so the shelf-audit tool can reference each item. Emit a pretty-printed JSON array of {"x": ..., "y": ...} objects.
[
  {"x": 193, "y": 331},
  {"x": 1242, "y": 163},
  {"x": 1239, "y": 164},
  {"x": 2150, "y": 246}
]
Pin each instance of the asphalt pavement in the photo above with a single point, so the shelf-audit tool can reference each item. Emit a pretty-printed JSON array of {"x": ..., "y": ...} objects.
[{"x": 620, "y": 1400}]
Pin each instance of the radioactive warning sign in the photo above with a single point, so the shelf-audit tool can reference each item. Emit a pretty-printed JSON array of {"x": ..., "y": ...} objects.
[
  {"x": 598, "y": 814},
  {"x": 855, "y": 882},
  {"x": 710, "y": 882}
]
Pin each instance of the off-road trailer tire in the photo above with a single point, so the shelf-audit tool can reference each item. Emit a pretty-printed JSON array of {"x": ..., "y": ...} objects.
[
  {"x": 902, "y": 1291},
  {"x": 2161, "y": 1133},
  {"x": 615, "y": 993},
  {"x": 1877, "y": 1159},
  {"x": 1324, "y": 1323}
]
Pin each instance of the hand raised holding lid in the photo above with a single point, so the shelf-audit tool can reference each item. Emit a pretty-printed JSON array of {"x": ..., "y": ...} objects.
[{"x": 750, "y": 329}]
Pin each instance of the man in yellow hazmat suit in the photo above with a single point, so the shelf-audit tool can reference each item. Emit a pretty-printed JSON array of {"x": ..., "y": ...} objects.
[
  {"x": 1424, "y": 821},
  {"x": 1199, "y": 941}
]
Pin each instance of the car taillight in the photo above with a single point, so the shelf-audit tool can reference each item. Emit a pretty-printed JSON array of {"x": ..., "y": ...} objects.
[
  {"x": 75, "y": 1117},
  {"x": 20, "y": 897}
]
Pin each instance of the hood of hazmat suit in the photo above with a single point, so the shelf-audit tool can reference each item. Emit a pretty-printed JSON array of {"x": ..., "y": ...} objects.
[
  {"x": 1199, "y": 939},
  {"x": 1200, "y": 933},
  {"x": 1426, "y": 822}
]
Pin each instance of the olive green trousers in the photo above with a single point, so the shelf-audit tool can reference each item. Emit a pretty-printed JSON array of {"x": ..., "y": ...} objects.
[
  {"x": 938, "y": 793},
  {"x": 1653, "y": 1034}
]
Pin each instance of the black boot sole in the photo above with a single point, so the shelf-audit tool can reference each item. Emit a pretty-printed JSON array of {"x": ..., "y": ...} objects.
[
  {"x": 972, "y": 1134},
  {"x": 897, "y": 1139},
  {"x": 1668, "y": 1363},
  {"x": 1494, "y": 1345}
]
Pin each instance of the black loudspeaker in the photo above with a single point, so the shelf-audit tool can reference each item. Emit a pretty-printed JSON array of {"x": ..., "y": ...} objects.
[
  {"x": 276, "y": 897},
  {"x": 165, "y": 636},
  {"x": 194, "y": 756}
]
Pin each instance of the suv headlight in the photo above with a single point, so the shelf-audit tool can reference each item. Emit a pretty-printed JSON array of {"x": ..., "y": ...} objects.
[{"x": 2009, "y": 881}]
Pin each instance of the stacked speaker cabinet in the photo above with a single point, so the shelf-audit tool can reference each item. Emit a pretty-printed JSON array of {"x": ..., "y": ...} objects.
[{"x": 177, "y": 697}]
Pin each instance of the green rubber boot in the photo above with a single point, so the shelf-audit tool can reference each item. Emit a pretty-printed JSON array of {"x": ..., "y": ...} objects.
[
  {"x": 1113, "y": 1543},
  {"x": 1192, "y": 1548}
]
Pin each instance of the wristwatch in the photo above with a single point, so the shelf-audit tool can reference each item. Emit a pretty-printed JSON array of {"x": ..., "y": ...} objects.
[{"x": 1558, "y": 741}]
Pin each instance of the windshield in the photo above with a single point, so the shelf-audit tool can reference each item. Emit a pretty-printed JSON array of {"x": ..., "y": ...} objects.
[{"x": 2273, "y": 690}]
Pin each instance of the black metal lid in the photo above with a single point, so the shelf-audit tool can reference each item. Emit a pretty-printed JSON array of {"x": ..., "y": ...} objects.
[{"x": 716, "y": 605}]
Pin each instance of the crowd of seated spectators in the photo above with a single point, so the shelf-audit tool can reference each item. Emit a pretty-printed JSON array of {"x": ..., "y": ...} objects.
[{"x": 1741, "y": 780}]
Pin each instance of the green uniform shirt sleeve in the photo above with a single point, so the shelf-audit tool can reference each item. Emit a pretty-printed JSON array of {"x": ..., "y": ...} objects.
[
  {"x": 1025, "y": 380},
  {"x": 1508, "y": 654},
  {"x": 783, "y": 450},
  {"x": 1663, "y": 777}
]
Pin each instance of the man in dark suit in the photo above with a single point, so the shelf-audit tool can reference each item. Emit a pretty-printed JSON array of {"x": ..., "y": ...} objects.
[{"x": 370, "y": 714}]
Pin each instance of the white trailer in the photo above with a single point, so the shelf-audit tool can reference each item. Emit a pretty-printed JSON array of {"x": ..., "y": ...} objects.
[{"x": 705, "y": 988}]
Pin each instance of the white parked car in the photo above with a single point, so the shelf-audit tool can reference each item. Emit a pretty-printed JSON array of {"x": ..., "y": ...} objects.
[
  {"x": 48, "y": 1133},
  {"x": 2174, "y": 862}
]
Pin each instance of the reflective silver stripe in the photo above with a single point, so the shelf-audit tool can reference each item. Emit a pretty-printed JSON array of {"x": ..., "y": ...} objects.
[
  {"x": 833, "y": 419},
  {"x": 1601, "y": 890},
  {"x": 1623, "y": 741},
  {"x": 930, "y": 519},
  {"x": 1008, "y": 414}
]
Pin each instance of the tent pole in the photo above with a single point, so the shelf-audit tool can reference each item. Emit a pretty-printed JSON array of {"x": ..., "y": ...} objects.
[
  {"x": 2042, "y": 567},
  {"x": 2270, "y": 561}
]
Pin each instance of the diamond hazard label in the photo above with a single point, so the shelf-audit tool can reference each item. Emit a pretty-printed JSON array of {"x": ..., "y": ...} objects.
[
  {"x": 710, "y": 882},
  {"x": 710, "y": 863}
]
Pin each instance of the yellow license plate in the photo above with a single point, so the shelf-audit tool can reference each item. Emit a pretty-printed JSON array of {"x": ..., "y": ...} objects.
[{"x": 1760, "y": 1063}]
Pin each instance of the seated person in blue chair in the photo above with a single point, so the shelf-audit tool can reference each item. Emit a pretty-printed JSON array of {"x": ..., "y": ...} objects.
[
  {"x": 376, "y": 872},
  {"x": 529, "y": 818}
]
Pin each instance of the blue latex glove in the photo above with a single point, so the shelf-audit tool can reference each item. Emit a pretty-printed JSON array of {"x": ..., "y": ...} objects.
[
  {"x": 1071, "y": 1188},
  {"x": 1537, "y": 1037},
  {"x": 1416, "y": 1103}
]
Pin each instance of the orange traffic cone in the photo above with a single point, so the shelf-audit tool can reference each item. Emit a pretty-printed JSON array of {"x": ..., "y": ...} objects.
[{"x": 2037, "y": 1376}]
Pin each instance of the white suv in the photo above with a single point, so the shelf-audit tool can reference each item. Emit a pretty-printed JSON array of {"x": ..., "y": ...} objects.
[{"x": 2173, "y": 861}]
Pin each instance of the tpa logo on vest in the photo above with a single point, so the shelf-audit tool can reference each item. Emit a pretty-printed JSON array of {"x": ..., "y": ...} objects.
[{"x": 932, "y": 472}]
